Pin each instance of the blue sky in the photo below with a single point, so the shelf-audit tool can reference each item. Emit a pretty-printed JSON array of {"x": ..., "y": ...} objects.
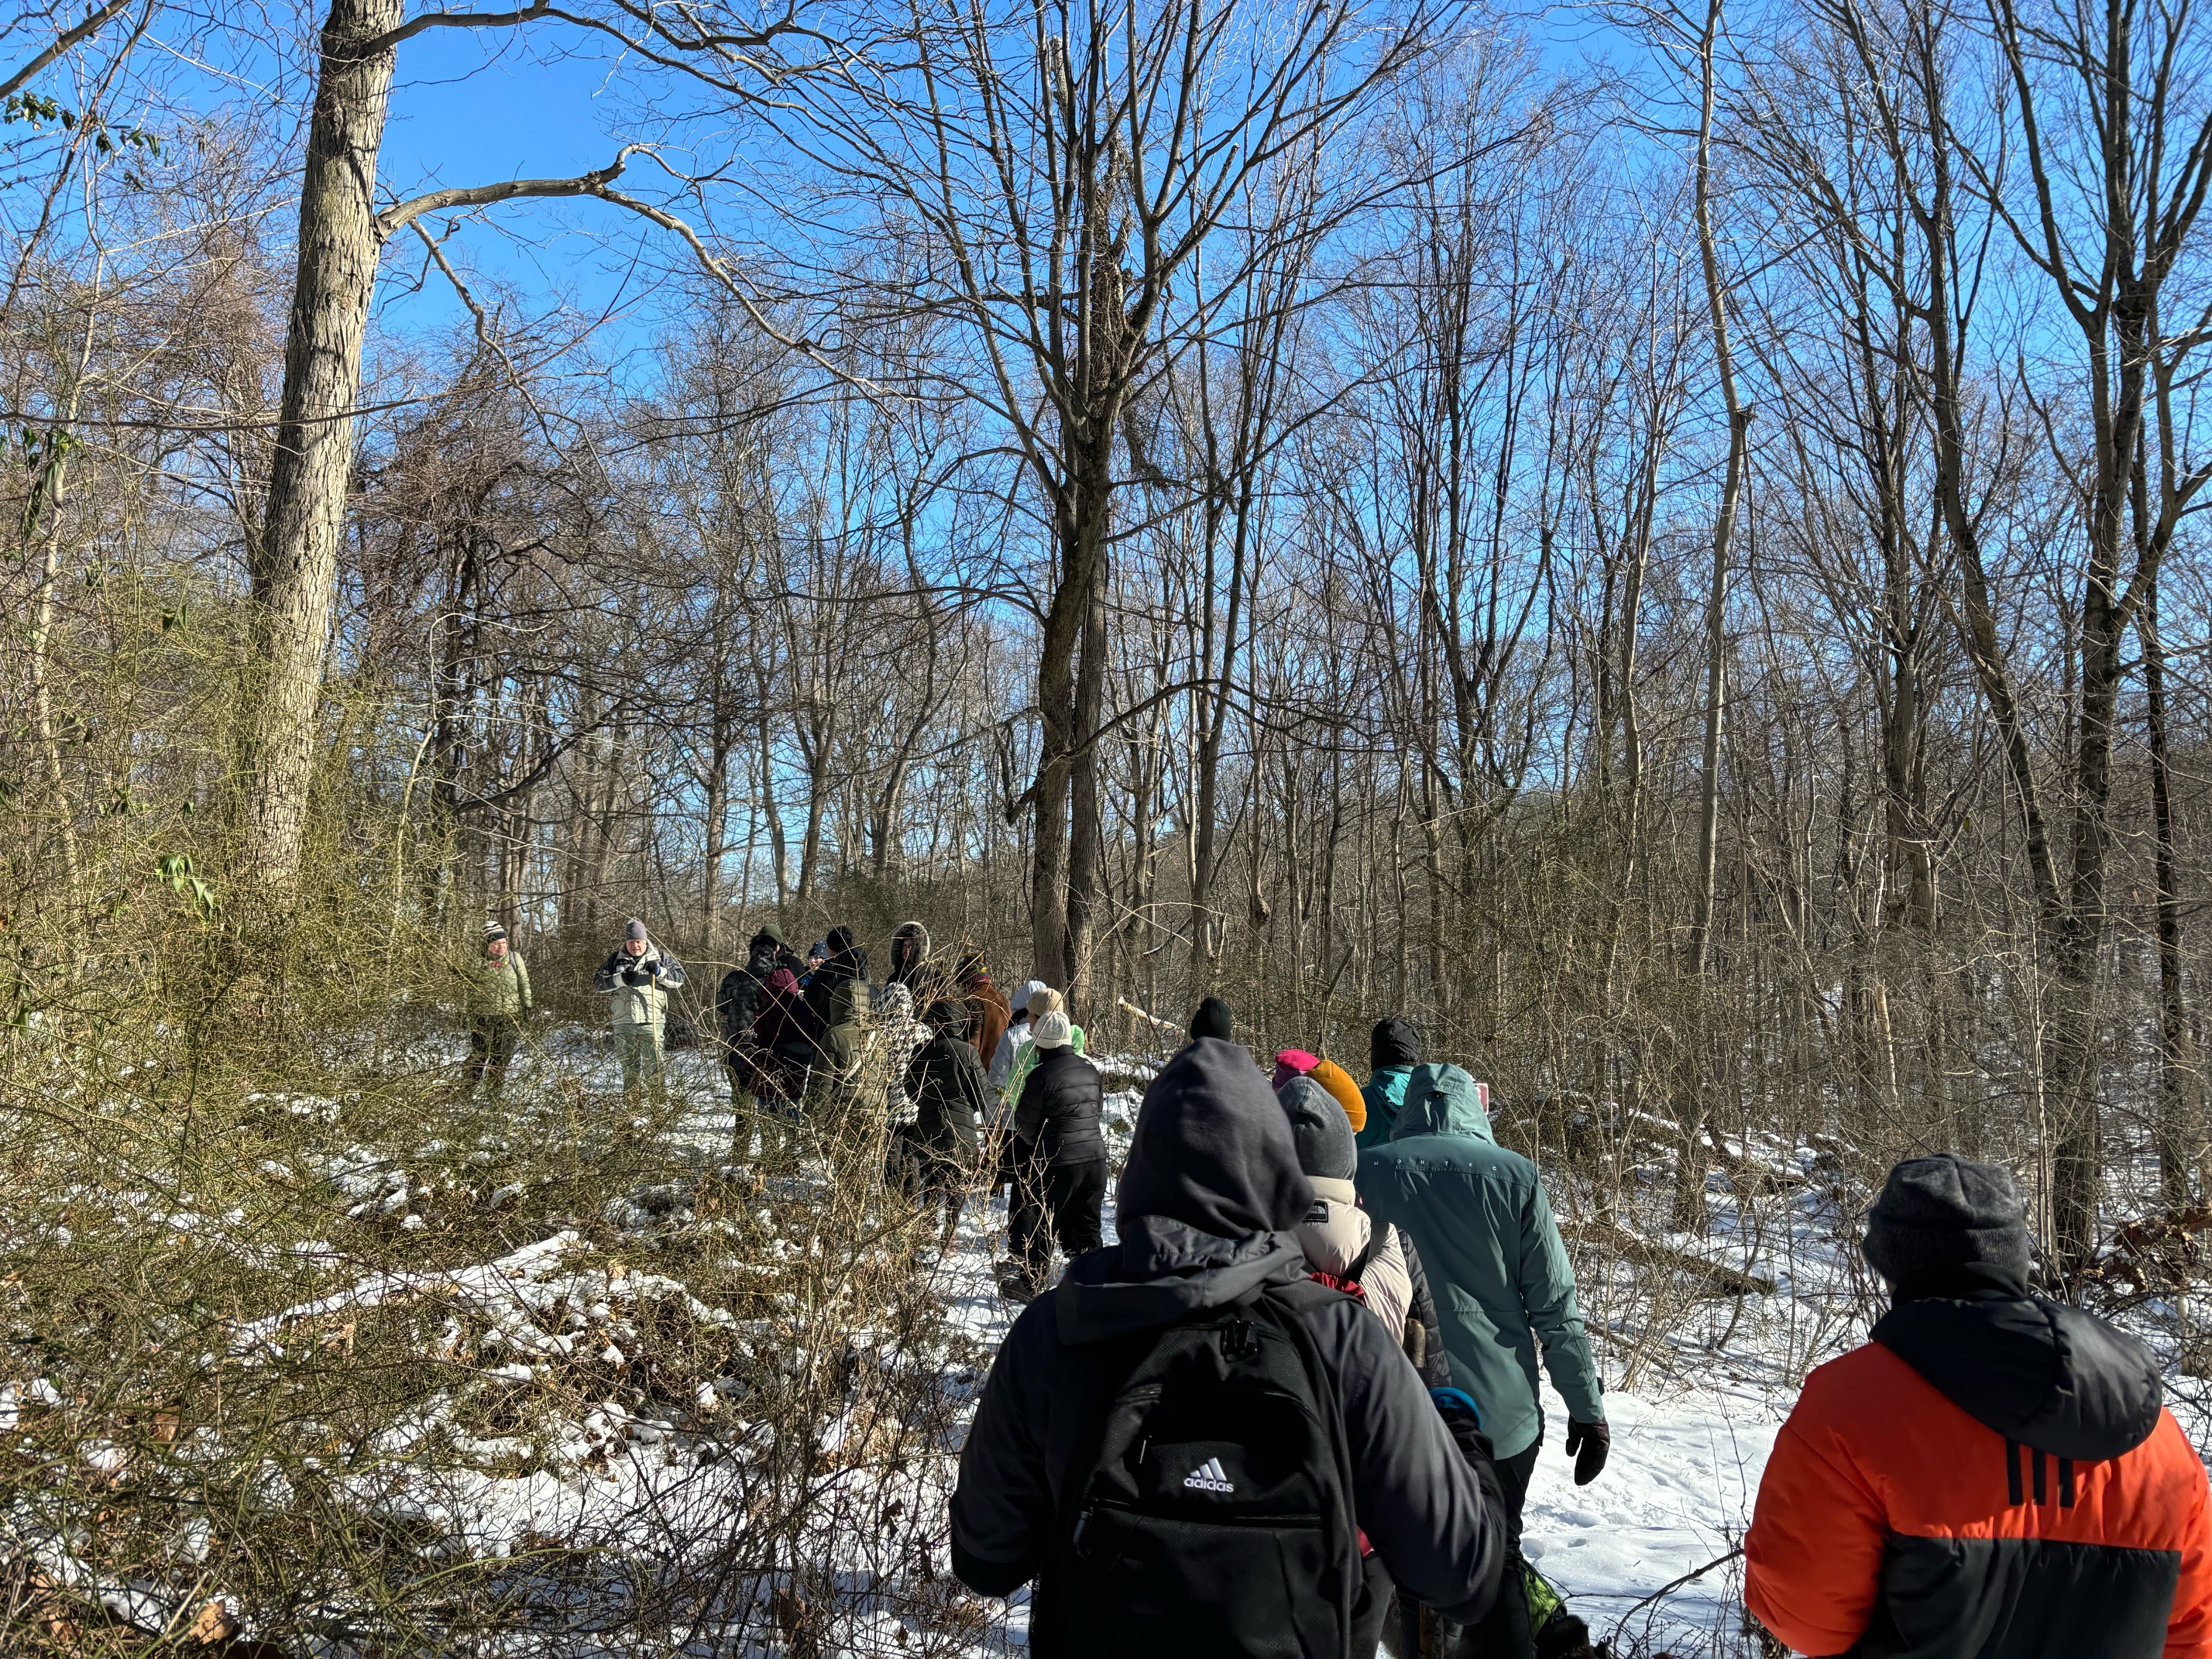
[{"x": 472, "y": 106}]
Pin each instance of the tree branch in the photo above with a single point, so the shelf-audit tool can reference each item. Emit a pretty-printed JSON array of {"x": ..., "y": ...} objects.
[
  {"x": 399, "y": 216},
  {"x": 458, "y": 20},
  {"x": 63, "y": 42}
]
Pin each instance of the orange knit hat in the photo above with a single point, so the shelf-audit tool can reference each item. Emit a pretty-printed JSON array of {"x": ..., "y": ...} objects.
[{"x": 1338, "y": 1081}]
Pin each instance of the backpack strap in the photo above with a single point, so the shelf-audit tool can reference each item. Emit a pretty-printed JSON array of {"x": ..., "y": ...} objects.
[{"x": 1376, "y": 1235}]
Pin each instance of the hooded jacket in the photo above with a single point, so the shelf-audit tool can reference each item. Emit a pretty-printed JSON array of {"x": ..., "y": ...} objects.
[
  {"x": 910, "y": 960},
  {"x": 1479, "y": 1218},
  {"x": 946, "y": 1081},
  {"x": 1014, "y": 1040},
  {"x": 645, "y": 1004},
  {"x": 1384, "y": 1093},
  {"x": 1337, "y": 1233},
  {"x": 1205, "y": 1208},
  {"x": 1992, "y": 1476}
]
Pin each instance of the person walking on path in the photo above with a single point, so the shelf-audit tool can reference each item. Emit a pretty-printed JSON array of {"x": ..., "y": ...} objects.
[
  {"x": 988, "y": 1011},
  {"x": 1479, "y": 1218},
  {"x": 1014, "y": 1043},
  {"x": 737, "y": 1004},
  {"x": 1993, "y": 1474},
  {"x": 637, "y": 979},
  {"x": 945, "y": 1080},
  {"x": 498, "y": 987},
  {"x": 1188, "y": 1444},
  {"x": 1009, "y": 1066},
  {"x": 1060, "y": 1151},
  {"x": 1344, "y": 1245},
  {"x": 1394, "y": 1049}
]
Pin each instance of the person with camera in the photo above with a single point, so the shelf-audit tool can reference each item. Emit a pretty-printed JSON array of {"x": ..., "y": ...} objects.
[{"x": 637, "y": 979}]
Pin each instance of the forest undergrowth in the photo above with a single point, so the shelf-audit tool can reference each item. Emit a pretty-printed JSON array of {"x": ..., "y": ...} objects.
[{"x": 308, "y": 1350}]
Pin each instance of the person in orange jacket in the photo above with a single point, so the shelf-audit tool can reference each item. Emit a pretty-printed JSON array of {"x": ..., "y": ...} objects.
[{"x": 1992, "y": 1476}]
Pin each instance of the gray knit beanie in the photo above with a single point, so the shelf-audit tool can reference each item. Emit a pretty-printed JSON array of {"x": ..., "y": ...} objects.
[
  {"x": 634, "y": 929},
  {"x": 1326, "y": 1150},
  {"x": 1945, "y": 1211}
]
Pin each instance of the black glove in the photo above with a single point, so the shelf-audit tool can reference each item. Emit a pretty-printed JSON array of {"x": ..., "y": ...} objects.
[
  {"x": 634, "y": 976},
  {"x": 1589, "y": 1444}
]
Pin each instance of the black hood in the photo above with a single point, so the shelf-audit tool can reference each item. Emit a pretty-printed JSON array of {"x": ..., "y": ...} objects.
[
  {"x": 1163, "y": 1271},
  {"x": 1213, "y": 1150},
  {"x": 2054, "y": 1379}
]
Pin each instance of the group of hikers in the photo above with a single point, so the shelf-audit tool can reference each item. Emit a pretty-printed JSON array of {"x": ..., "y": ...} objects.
[
  {"x": 1210, "y": 1438},
  {"x": 1300, "y": 1390}
]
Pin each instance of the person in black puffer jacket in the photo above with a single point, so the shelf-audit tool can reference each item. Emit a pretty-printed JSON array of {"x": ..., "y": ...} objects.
[
  {"x": 1058, "y": 1136},
  {"x": 935, "y": 1153}
]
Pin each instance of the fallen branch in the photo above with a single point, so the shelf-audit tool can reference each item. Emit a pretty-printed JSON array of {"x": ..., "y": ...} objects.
[
  {"x": 1672, "y": 1585},
  {"x": 1153, "y": 1020},
  {"x": 1721, "y": 1280}
]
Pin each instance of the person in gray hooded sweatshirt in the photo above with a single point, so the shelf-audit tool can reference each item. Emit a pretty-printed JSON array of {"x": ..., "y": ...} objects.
[{"x": 1207, "y": 1211}]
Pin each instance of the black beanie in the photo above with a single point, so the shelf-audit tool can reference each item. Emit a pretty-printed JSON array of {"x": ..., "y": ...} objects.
[
  {"x": 1213, "y": 1019},
  {"x": 1945, "y": 1212},
  {"x": 840, "y": 940},
  {"x": 1395, "y": 1043}
]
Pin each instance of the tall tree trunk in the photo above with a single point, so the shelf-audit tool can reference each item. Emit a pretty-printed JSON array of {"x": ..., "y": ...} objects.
[
  {"x": 2179, "y": 1134},
  {"x": 1739, "y": 420},
  {"x": 1082, "y": 537},
  {"x": 56, "y": 489},
  {"x": 294, "y": 560},
  {"x": 1086, "y": 849}
]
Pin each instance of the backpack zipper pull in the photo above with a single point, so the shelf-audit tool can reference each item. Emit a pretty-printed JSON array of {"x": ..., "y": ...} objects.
[{"x": 1075, "y": 1542}]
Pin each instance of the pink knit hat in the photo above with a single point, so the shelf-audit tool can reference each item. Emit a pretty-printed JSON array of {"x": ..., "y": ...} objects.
[{"x": 1292, "y": 1062}]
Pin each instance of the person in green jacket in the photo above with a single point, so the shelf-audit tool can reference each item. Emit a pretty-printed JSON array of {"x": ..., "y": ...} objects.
[
  {"x": 1479, "y": 1218},
  {"x": 1393, "y": 1051},
  {"x": 498, "y": 987},
  {"x": 1042, "y": 1001}
]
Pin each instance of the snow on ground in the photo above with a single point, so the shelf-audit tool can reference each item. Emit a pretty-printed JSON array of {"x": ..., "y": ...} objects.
[
  {"x": 1676, "y": 1496},
  {"x": 538, "y": 1321}
]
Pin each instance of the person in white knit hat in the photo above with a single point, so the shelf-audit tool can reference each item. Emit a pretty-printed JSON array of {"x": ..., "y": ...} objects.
[{"x": 1062, "y": 1151}]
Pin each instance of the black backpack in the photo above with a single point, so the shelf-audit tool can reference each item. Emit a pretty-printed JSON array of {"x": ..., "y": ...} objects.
[{"x": 1217, "y": 1514}]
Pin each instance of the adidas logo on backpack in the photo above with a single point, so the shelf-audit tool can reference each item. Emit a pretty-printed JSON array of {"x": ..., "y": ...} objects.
[{"x": 1209, "y": 1476}]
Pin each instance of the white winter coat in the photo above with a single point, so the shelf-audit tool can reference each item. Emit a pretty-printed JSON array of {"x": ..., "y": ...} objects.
[{"x": 1336, "y": 1233}]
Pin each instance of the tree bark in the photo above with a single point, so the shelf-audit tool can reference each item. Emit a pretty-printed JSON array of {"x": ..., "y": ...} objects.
[{"x": 294, "y": 563}]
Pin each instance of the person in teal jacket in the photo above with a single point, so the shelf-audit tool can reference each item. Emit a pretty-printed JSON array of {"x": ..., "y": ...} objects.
[
  {"x": 1393, "y": 1051},
  {"x": 1479, "y": 1216}
]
